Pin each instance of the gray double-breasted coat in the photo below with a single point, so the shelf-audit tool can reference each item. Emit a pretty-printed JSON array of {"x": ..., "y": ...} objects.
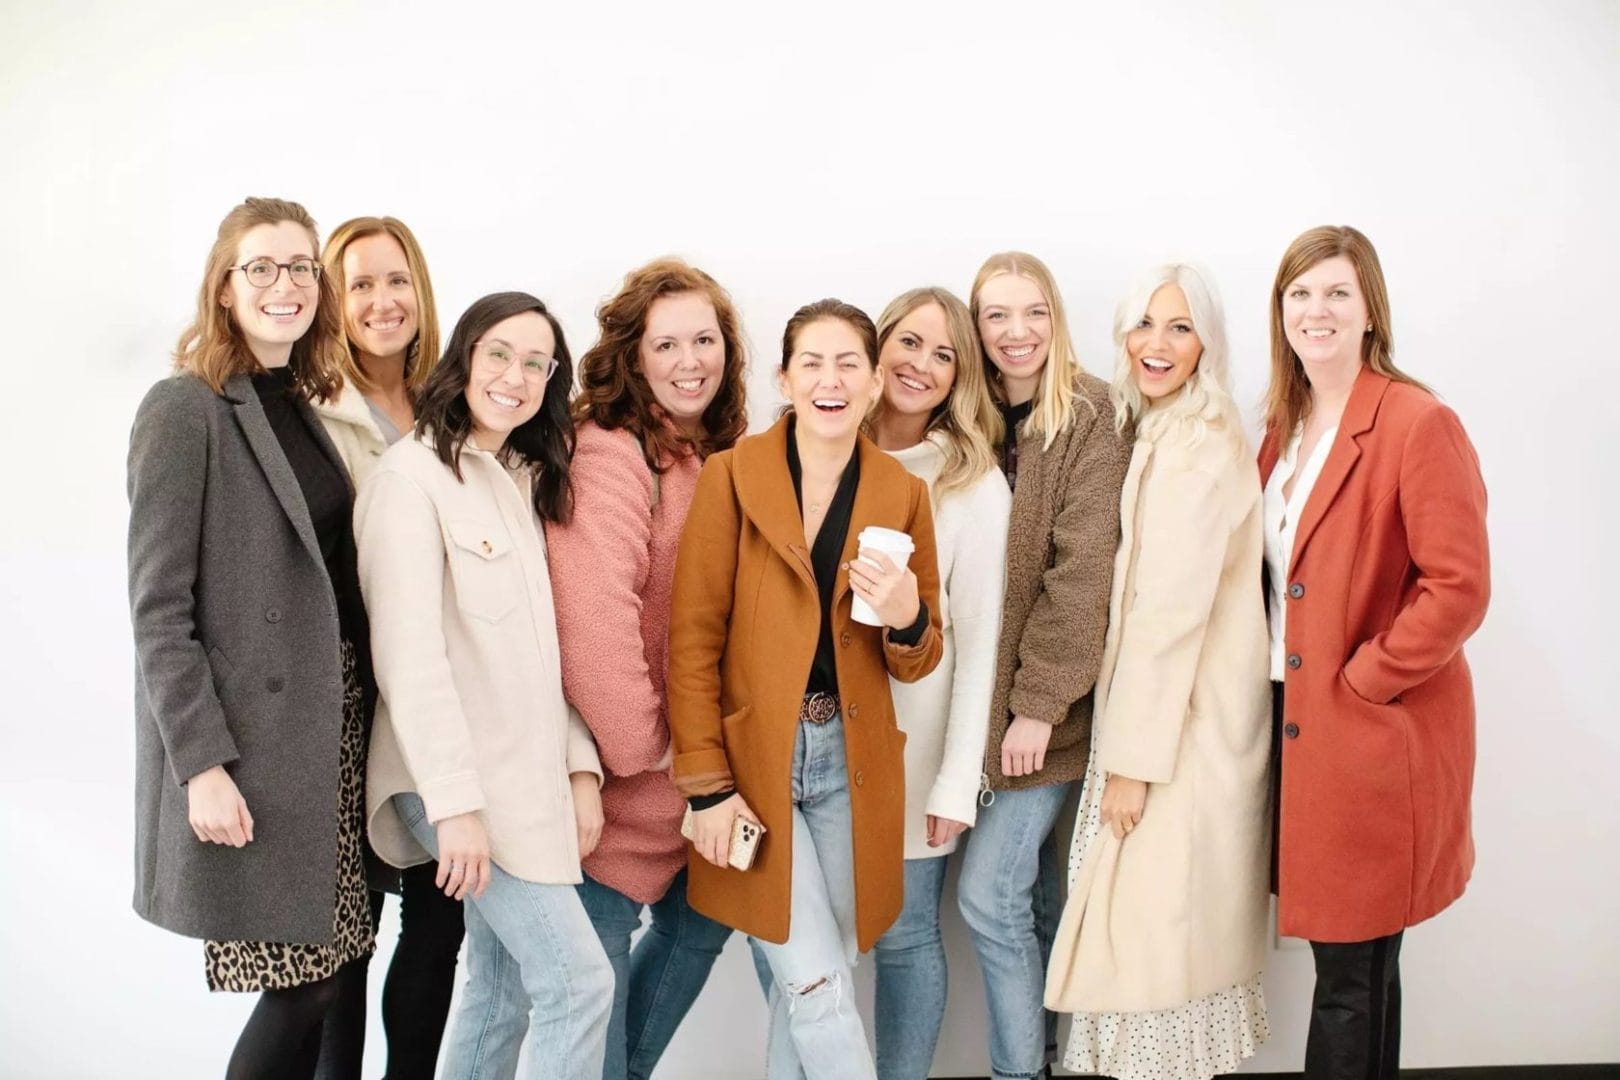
[{"x": 237, "y": 663}]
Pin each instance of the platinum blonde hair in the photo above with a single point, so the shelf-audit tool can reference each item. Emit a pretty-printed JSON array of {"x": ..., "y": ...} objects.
[{"x": 1205, "y": 400}]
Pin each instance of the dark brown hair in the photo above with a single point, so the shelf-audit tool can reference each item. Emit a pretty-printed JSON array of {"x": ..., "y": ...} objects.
[
  {"x": 830, "y": 308},
  {"x": 1288, "y": 399},
  {"x": 545, "y": 440},
  {"x": 613, "y": 388},
  {"x": 212, "y": 347}
]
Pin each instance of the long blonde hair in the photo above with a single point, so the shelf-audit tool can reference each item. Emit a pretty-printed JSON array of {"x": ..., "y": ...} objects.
[
  {"x": 1205, "y": 399},
  {"x": 212, "y": 347},
  {"x": 1288, "y": 398},
  {"x": 968, "y": 418},
  {"x": 423, "y": 351},
  {"x": 1055, "y": 396}
]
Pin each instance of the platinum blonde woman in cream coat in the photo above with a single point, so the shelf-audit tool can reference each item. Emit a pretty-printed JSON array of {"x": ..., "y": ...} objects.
[{"x": 1162, "y": 941}]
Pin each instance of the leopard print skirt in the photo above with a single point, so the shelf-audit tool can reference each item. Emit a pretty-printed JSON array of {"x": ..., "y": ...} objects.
[{"x": 251, "y": 966}]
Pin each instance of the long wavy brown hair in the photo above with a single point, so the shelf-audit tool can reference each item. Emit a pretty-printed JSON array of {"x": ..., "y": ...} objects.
[
  {"x": 1288, "y": 399},
  {"x": 423, "y": 351},
  {"x": 613, "y": 388},
  {"x": 544, "y": 441},
  {"x": 212, "y": 347}
]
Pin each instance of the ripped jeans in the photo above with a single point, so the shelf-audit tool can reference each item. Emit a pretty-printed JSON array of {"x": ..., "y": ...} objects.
[{"x": 815, "y": 1031}]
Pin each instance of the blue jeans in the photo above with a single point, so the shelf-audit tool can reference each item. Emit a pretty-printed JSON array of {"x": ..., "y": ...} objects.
[
  {"x": 815, "y": 1031},
  {"x": 655, "y": 983},
  {"x": 1010, "y": 896},
  {"x": 911, "y": 977},
  {"x": 535, "y": 966}
]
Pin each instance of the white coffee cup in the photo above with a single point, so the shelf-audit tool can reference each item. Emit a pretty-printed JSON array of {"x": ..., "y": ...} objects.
[{"x": 893, "y": 543}]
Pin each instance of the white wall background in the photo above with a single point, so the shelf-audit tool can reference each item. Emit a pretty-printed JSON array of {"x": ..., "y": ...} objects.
[{"x": 797, "y": 152}]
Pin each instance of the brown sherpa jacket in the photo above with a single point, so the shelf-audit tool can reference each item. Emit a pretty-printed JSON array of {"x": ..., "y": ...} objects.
[{"x": 1060, "y": 569}]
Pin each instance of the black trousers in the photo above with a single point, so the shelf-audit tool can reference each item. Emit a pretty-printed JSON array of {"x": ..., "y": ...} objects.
[{"x": 1356, "y": 1011}]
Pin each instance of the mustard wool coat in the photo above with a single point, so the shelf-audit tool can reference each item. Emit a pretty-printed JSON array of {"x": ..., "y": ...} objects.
[
  {"x": 743, "y": 633},
  {"x": 1178, "y": 909}
]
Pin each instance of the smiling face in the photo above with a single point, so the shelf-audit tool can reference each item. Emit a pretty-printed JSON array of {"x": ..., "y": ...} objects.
[
  {"x": 683, "y": 356},
  {"x": 275, "y": 316},
  {"x": 1324, "y": 315},
  {"x": 1015, "y": 325},
  {"x": 1164, "y": 346},
  {"x": 830, "y": 381},
  {"x": 379, "y": 305},
  {"x": 918, "y": 362},
  {"x": 506, "y": 378}
]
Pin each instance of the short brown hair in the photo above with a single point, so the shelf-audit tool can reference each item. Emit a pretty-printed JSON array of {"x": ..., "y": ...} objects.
[
  {"x": 212, "y": 347},
  {"x": 423, "y": 351},
  {"x": 830, "y": 308},
  {"x": 613, "y": 389},
  {"x": 1288, "y": 399}
]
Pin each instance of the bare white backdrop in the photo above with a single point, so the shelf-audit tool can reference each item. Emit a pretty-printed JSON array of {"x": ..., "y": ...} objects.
[{"x": 797, "y": 152}]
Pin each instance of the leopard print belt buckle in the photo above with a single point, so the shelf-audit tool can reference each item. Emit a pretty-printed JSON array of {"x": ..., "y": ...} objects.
[{"x": 818, "y": 708}]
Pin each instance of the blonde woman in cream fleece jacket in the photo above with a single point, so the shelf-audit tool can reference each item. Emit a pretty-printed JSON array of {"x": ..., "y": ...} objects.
[{"x": 937, "y": 419}]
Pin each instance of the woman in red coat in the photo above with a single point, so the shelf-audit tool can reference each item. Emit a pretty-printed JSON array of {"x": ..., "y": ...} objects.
[{"x": 1377, "y": 572}]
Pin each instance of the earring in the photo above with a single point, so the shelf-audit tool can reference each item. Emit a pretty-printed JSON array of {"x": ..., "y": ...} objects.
[{"x": 1369, "y": 328}]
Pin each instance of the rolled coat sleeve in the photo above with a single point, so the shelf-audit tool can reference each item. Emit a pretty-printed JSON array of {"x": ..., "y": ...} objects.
[
  {"x": 705, "y": 582},
  {"x": 402, "y": 568},
  {"x": 167, "y": 473}
]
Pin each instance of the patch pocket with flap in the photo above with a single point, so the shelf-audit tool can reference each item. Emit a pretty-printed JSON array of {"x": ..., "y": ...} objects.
[{"x": 483, "y": 569}]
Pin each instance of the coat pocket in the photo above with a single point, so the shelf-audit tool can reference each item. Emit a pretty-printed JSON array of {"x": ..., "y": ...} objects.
[
  {"x": 220, "y": 668},
  {"x": 482, "y": 568}
]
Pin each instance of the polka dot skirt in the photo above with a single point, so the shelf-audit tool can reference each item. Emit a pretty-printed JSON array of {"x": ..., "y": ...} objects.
[{"x": 1195, "y": 1041}]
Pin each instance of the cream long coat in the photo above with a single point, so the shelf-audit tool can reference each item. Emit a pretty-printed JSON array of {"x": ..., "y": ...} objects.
[
  {"x": 1178, "y": 909},
  {"x": 464, "y": 643}
]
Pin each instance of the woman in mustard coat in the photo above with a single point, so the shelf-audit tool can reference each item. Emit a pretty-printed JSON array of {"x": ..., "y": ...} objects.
[
  {"x": 779, "y": 699},
  {"x": 1378, "y": 570}
]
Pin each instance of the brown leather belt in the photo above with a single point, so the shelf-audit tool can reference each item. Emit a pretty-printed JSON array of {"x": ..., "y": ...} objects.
[{"x": 818, "y": 708}]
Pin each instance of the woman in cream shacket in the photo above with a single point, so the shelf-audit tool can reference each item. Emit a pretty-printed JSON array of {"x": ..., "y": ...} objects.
[
  {"x": 937, "y": 419},
  {"x": 476, "y": 761},
  {"x": 1161, "y": 943}
]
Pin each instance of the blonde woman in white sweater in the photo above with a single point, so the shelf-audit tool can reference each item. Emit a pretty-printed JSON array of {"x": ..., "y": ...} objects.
[{"x": 937, "y": 419}]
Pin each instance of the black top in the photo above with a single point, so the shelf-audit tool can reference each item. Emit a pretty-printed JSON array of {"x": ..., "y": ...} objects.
[
  {"x": 1011, "y": 417},
  {"x": 327, "y": 496}
]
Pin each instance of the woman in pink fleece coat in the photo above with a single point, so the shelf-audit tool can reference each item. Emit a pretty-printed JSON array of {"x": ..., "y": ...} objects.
[{"x": 661, "y": 390}]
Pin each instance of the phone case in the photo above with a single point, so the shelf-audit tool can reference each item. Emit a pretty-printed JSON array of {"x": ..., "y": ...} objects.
[{"x": 745, "y": 838}]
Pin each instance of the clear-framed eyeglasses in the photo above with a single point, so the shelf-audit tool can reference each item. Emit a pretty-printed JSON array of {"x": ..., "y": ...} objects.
[
  {"x": 262, "y": 273},
  {"x": 495, "y": 357}
]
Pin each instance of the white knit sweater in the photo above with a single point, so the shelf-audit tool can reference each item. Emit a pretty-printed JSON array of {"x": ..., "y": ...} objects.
[{"x": 946, "y": 715}]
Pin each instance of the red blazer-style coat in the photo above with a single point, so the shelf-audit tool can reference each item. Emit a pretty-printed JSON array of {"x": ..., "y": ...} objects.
[{"x": 1390, "y": 574}]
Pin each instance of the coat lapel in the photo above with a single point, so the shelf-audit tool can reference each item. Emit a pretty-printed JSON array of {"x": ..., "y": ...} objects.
[
  {"x": 765, "y": 490},
  {"x": 1357, "y": 420},
  {"x": 267, "y": 449}
]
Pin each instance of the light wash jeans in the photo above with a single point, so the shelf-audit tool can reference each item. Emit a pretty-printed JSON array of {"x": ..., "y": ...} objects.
[
  {"x": 535, "y": 965},
  {"x": 911, "y": 977},
  {"x": 656, "y": 982},
  {"x": 815, "y": 1030},
  {"x": 1010, "y": 895}
]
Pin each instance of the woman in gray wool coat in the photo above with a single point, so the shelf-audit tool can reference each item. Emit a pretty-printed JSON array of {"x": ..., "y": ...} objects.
[{"x": 253, "y": 686}]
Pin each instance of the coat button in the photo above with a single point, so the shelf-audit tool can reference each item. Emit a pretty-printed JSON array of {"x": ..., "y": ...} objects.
[
  {"x": 272, "y": 615},
  {"x": 1294, "y": 661},
  {"x": 860, "y": 778},
  {"x": 844, "y": 639},
  {"x": 1291, "y": 730},
  {"x": 1296, "y": 590},
  {"x": 274, "y": 684},
  {"x": 487, "y": 546},
  {"x": 853, "y": 711}
]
